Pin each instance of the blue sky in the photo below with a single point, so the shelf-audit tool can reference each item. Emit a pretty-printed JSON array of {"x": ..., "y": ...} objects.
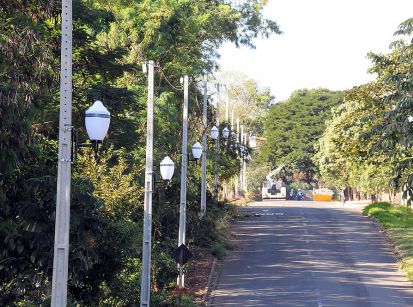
[{"x": 324, "y": 44}]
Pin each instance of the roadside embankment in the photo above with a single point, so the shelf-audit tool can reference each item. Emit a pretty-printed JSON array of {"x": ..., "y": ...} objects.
[{"x": 397, "y": 223}]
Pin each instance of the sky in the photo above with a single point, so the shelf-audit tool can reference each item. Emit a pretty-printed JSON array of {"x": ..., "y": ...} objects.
[{"x": 324, "y": 44}]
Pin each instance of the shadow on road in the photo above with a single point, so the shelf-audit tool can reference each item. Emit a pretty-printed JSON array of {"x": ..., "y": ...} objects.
[{"x": 309, "y": 254}]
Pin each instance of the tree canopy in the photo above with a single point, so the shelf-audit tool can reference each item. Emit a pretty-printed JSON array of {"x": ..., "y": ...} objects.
[
  {"x": 110, "y": 41},
  {"x": 368, "y": 143},
  {"x": 293, "y": 126}
]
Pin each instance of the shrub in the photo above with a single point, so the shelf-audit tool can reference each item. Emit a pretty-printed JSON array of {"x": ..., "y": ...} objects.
[{"x": 218, "y": 250}]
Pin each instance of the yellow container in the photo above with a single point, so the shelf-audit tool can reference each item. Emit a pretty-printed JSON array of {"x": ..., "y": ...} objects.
[{"x": 319, "y": 197}]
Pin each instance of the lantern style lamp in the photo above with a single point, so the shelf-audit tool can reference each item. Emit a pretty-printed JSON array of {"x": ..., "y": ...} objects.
[
  {"x": 253, "y": 142},
  {"x": 197, "y": 151},
  {"x": 214, "y": 132},
  {"x": 97, "y": 120},
  {"x": 167, "y": 167},
  {"x": 225, "y": 132}
]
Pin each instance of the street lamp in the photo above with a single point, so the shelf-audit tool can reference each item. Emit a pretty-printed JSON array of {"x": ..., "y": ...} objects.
[
  {"x": 97, "y": 120},
  {"x": 214, "y": 133},
  {"x": 225, "y": 132},
  {"x": 253, "y": 142},
  {"x": 197, "y": 151},
  {"x": 167, "y": 167}
]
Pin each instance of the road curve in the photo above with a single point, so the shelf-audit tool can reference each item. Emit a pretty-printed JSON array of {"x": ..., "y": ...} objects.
[{"x": 309, "y": 254}]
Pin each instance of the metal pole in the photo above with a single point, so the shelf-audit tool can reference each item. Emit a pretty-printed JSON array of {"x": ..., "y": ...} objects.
[
  {"x": 226, "y": 110},
  {"x": 244, "y": 176},
  {"x": 147, "y": 220},
  {"x": 237, "y": 131},
  {"x": 216, "y": 177},
  {"x": 242, "y": 159},
  {"x": 237, "y": 179},
  {"x": 204, "y": 149},
  {"x": 62, "y": 225},
  {"x": 182, "y": 204}
]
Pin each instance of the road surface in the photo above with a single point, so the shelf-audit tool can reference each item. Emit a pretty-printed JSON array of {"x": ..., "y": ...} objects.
[{"x": 309, "y": 254}]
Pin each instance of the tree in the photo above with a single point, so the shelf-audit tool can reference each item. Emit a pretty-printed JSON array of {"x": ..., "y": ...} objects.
[
  {"x": 368, "y": 142},
  {"x": 292, "y": 128},
  {"x": 110, "y": 40},
  {"x": 344, "y": 157}
]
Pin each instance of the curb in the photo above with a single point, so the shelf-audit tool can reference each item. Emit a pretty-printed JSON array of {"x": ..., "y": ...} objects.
[{"x": 211, "y": 282}]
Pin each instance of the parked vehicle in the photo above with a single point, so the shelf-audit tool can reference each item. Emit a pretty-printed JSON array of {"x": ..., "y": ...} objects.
[{"x": 272, "y": 188}]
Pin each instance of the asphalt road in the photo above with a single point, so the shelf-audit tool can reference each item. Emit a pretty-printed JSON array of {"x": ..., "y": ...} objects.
[{"x": 310, "y": 254}]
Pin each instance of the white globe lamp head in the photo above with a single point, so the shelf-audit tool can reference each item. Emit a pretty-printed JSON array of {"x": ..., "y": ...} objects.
[
  {"x": 214, "y": 132},
  {"x": 197, "y": 150},
  {"x": 167, "y": 167},
  {"x": 97, "y": 120},
  {"x": 253, "y": 142},
  {"x": 225, "y": 132}
]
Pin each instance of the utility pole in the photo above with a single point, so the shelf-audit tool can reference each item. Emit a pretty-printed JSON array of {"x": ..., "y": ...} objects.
[
  {"x": 182, "y": 204},
  {"x": 244, "y": 176},
  {"x": 216, "y": 177},
  {"x": 226, "y": 109},
  {"x": 204, "y": 148},
  {"x": 147, "y": 221},
  {"x": 226, "y": 125},
  {"x": 242, "y": 159},
  {"x": 64, "y": 168},
  {"x": 237, "y": 176}
]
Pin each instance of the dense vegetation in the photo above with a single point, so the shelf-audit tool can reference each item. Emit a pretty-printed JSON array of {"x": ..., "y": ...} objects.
[
  {"x": 110, "y": 40},
  {"x": 368, "y": 142},
  {"x": 360, "y": 139},
  {"x": 292, "y": 128}
]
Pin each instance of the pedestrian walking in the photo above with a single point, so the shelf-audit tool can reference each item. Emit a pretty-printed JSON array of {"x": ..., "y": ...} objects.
[{"x": 343, "y": 196}]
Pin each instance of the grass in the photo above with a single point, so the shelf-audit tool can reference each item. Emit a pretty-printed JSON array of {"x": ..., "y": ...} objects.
[
  {"x": 390, "y": 216},
  {"x": 221, "y": 245},
  {"x": 398, "y": 222}
]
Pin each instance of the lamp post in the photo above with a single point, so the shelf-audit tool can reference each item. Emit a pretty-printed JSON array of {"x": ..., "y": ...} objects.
[
  {"x": 204, "y": 148},
  {"x": 215, "y": 136},
  {"x": 242, "y": 158},
  {"x": 97, "y": 120},
  {"x": 65, "y": 159},
  {"x": 182, "y": 202},
  {"x": 244, "y": 167},
  {"x": 147, "y": 220},
  {"x": 237, "y": 176},
  {"x": 61, "y": 241}
]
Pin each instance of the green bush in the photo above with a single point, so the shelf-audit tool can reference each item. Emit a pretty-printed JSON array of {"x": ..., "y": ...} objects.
[{"x": 219, "y": 250}]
